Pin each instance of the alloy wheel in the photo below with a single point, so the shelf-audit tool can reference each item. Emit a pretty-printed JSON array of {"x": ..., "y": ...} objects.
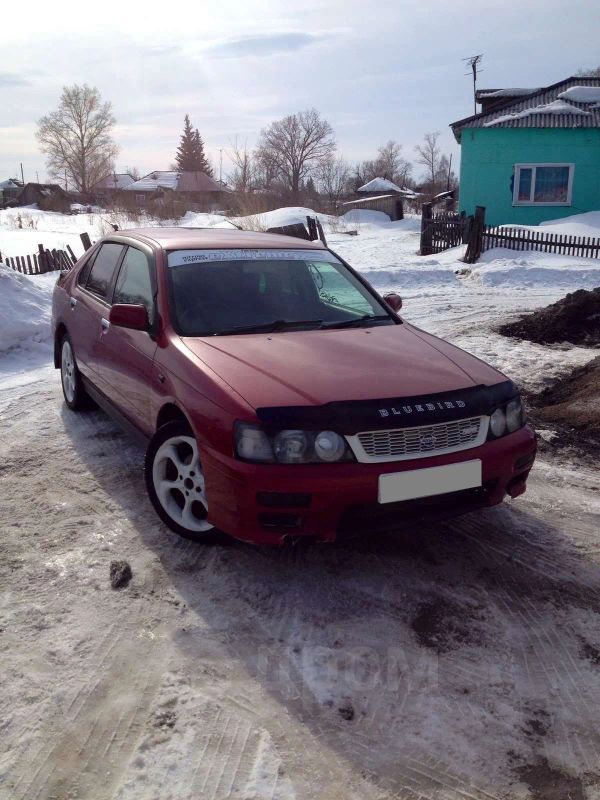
[{"x": 179, "y": 483}]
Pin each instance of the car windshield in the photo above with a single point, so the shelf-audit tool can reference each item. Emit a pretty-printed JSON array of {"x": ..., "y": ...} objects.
[{"x": 227, "y": 292}]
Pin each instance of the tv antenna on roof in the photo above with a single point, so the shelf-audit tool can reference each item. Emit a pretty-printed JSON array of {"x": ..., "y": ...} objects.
[{"x": 473, "y": 62}]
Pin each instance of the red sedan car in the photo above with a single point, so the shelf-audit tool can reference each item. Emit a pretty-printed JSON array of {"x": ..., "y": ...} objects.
[{"x": 278, "y": 393}]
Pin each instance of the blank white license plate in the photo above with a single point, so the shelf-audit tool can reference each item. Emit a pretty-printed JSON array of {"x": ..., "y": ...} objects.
[{"x": 427, "y": 482}]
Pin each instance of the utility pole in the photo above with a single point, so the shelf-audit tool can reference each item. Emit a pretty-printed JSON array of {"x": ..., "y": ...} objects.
[
  {"x": 37, "y": 177},
  {"x": 221, "y": 165},
  {"x": 65, "y": 179},
  {"x": 22, "y": 178},
  {"x": 473, "y": 62}
]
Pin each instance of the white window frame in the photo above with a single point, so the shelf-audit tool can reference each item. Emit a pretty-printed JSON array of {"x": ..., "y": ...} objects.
[
  {"x": 140, "y": 199},
  {"x": 533, "y": 168}
]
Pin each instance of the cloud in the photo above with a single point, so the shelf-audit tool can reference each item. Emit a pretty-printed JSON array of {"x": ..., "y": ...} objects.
[
  {"x": 265, "y": 44},
  {"x": 11, "y": 79}
]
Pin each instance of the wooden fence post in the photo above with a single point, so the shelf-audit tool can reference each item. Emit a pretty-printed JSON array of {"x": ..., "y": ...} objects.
[
  {"x": 426, "y": 233},
  {"x": 41, "y": 259},
  {"x": 85, "y": 240},
  {"x": 72, "y": 254},
  {"x": 475, "y": 244},
  {"x": 320, "y": 230}
]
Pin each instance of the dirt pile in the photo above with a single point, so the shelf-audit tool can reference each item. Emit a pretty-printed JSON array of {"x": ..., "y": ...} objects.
[
  {"x": 573, "y": 400},
  {"x": 575, "y": 319}
]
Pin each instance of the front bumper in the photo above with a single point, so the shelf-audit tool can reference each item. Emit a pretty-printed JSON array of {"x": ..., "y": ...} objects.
[{"x": 264, "y": 503}]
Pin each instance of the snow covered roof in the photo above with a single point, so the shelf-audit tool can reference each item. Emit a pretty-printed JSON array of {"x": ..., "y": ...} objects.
[
  {"x": 382, "y": 185},
  {"x": 176, "y": 181},
  {"x": 160, "y": 179},
  {"x": 570, "y": 103},
  {"x": 516, "y": 92},
  {"x": 10, "y": 183},
  {"x": 555, "y": 107},
  {"x": 120, "y": 180},
  {"x": 582, "y": 94}
]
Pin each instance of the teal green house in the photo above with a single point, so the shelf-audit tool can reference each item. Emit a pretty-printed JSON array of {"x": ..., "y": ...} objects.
[{"x": 532, "y": 155}]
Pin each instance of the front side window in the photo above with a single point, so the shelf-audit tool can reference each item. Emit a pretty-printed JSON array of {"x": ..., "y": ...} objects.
[
  {"x": 134, "y": 284},
  {"x": 543, "y": 184},
  {"x": 103, "y": 269},
  {"x": 221, "y": 292}
]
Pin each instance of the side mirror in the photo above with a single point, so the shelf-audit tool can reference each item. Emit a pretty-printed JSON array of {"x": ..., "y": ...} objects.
[
  {"x": 129, "y": 316},
  {"x": 393, "y": 300}
]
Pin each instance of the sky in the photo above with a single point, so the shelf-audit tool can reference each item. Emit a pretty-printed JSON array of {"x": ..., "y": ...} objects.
[{"x": 376, "y": 70}]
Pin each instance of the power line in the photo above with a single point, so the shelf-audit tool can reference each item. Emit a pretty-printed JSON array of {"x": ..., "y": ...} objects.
[{"x": 473, "y": 62}]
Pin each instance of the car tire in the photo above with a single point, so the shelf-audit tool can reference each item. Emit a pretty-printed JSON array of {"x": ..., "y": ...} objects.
[
  {"x": 175, "y": 483},
  {"x": 74, "y": 391}
]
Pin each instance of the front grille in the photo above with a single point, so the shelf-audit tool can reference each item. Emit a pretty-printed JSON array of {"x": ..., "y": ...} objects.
[{"x": 404, "y": 443}]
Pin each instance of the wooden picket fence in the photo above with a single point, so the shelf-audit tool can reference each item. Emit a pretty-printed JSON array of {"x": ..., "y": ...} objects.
[
  {"x": 442, "y": 230},
  {"x": 519, "y": 239},
  {"x": 43, "y": 261}
]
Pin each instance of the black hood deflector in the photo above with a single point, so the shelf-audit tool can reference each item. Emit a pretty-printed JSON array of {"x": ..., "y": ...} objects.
[{"x": 352, "y": 416}]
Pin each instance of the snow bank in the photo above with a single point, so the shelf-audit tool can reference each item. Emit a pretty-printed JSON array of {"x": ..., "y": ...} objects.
[
  {"x": 286, "y": 216},
  {"x": 577, "y": 225},
  {"x": 193, "y": 219},
  {"x": 500, "y": 267},
  {"x": 587, "y": 224},
  {"x": 25, "y": 309}
]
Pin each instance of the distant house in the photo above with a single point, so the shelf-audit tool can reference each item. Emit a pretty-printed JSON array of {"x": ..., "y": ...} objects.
[
  {"x": 532, "y": 154},
  {"x": 197, "y": 191},
  {"x": 380, "y": 194},
  {"x": 111, "y": 186},
  {"x": 9, "y": 190},
  {"x": 46, "y": 195}
]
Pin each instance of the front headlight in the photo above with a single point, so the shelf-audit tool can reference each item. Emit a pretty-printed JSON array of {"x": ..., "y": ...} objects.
[
  {"x": 507, "y": 418},
  {"x": 252, "y": 443},
  {"x": 498, "y": 422},
  {"x": 290, "y": 447}
]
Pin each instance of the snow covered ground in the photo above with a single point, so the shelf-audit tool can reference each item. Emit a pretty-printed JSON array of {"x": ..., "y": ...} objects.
[{"x": 452, "y": 661}]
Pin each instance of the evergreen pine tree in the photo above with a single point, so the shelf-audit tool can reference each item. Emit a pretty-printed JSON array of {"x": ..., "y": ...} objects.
[
  {"x": 190, "y": 153},
  {"x": 201, "y": 159}
]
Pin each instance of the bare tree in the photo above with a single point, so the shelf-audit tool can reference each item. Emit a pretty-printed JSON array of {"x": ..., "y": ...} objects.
[
  {"x": 428, "y": 154},
  {"x": 296, "y": 145},
  {"x": 76, "y": 138},
  {"x": 391, "y": 165},
  {"x": 593, "y": 72},
  {"x": 445, "y": 178},
  {"x": 244, "y": 168},
  {"x": 333, "y": 175}
]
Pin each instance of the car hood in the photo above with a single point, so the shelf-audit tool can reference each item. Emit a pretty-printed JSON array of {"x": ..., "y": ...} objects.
[{"x": 317, "y": 367}]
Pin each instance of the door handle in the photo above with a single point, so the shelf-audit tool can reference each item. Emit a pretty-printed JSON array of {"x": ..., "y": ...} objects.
[
  {"x": 72, "y": 302},
  {"x": 105, "y": 324}
]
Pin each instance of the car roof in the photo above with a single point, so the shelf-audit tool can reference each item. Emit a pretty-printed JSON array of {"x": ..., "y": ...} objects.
[{"x": 216, "y": 238}]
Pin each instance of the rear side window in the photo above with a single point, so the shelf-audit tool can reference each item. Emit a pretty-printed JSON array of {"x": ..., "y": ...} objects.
[
  {"x": 103, "y": 269},
  {"x": 134, "y": 284}
]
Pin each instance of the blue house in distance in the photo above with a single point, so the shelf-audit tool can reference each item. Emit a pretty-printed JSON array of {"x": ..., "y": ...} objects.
[{"x": 532, "y": 155}]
